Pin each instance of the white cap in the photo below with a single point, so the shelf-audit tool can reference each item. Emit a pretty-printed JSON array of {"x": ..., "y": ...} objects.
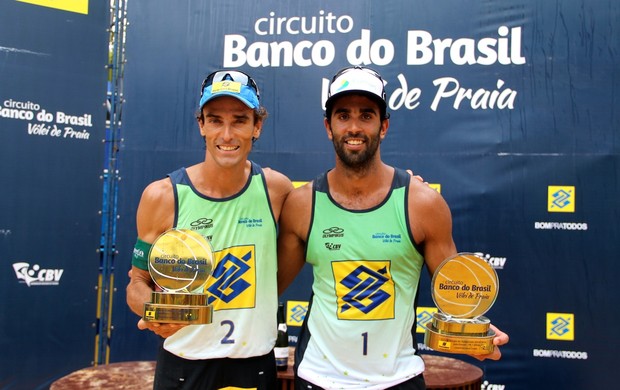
[{"x": 356, "y": 79}]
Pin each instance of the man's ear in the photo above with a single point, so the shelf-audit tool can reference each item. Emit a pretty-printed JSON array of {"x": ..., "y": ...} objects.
[
  {"x": 200, "y": 121},
  {"x": 385, "y": 124},
  {"x": 328, "y": 129},
  {"x": 258, "y": 128}
]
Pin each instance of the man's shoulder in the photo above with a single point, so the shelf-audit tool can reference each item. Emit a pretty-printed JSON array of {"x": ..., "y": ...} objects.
[
  {"x": 158, "y": 189},
  {"x": 301, "y": 194},
  {"x": 423, "y": 194},
  {"x": 276, "y": 179}
]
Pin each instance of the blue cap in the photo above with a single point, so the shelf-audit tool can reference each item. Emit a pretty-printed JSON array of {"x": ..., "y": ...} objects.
[{"x": 232, "y": 88}]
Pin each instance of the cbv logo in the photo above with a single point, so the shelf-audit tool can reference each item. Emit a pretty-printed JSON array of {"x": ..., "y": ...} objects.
[
  {"x": 332, "y": 247},
  {"x": 495, "y": 262},
  {"x": 36, "y": 275}
]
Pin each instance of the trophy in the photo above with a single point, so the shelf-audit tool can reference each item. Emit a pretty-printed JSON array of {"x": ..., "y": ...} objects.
[
  {"x": 464, "y": 287},
  {"x": 180, "y": 263}
]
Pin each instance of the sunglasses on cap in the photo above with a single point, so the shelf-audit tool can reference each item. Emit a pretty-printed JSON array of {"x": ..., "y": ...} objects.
[
  {"x": 231, "y": 75},
  {"x": 350, "y": 68}
]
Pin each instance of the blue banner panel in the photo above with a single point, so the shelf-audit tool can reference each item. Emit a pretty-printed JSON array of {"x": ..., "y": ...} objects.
[
  {"x": 510, "y": 109},
  {"x": 52, "y": 122}
]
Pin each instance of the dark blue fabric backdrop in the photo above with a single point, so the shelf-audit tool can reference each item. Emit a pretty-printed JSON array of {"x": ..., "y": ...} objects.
[
  {"x": 495, "y": 165},
  {"x": 52, "y": 122}
]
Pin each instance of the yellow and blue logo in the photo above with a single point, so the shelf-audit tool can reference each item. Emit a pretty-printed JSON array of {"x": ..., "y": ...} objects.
[
  {"x": 78, "y": 6},
  {"x": 435, "y": 186},
  {"x": 296, "y": 312},
  {"x": 364, "y": 289},
  {"x": 233, "y": 282},
  {"x": 561, "y": 199},
  {"x": 561, "y": 326},
  {"x": 424, "y": 315},
  {"x": 298, "y": 184}
]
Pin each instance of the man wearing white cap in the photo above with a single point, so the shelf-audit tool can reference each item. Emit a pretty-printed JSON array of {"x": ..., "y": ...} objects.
[
  {"x": 216, "y": 198},
  {"x": 352, "y": 337}
]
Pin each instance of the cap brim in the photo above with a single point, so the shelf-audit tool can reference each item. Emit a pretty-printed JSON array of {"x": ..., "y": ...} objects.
[{"x": 246, "y": 95}]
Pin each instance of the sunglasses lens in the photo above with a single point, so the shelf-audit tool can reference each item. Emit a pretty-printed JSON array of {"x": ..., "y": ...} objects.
[
  {"x": 367, "y": 70},
  {"x": 233, "y": 76}
]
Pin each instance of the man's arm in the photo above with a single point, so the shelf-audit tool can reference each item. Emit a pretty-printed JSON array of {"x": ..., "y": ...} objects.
[
  {"x": 279, "y": 186},
  {"x": 431, "y": 223},
  {"x": 293, "y": 232},
  {"x": 155, "y": 215}
]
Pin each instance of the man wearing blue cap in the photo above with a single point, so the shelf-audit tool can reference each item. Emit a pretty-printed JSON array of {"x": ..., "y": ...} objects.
[
  {"x": 226, "y": 190},
  {"x": 359, "y": 332}
]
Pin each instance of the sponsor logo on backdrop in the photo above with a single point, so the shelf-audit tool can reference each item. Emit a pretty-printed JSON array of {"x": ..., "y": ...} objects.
[
  {"x": 555, "y": 354},
  {"x": 495, "y": 262},
  {"x": 560, "y": 326},
  {"x": 77, "y": 6},
  {"x": 296, "y": 312},
  {"x": 424, "y": 315},
  {"x": 423, "y": 347},
  {"x": 35, "y": 275},
  {"x": 41, "y": 123},
  {"x": 560, "y": 199},
  {"x": 273, "y": 49},
  {"x": 435, "y": 186},
  {"x": 490, "y": 386}
]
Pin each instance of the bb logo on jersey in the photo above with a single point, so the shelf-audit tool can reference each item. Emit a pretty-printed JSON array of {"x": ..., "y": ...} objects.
[
  {"x": 233, "y": 282},
  {"x": 365, "y": 289}
]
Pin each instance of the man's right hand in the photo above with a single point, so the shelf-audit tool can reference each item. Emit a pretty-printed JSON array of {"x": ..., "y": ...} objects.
[{"x": 160, "y": 329}]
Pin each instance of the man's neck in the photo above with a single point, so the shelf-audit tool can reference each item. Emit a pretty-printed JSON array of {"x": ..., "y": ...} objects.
[
  {"x": 360, "y": 189},
  {"x": 218, "y": 182}
]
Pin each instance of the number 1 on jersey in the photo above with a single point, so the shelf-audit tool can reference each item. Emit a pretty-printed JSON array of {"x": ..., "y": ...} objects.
[{"x": 365, "y": 343}]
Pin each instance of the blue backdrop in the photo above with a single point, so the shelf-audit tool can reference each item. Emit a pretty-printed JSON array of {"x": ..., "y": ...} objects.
[
  {"x": 509, "y": 108},
  {"x": 52, "y": 122}
]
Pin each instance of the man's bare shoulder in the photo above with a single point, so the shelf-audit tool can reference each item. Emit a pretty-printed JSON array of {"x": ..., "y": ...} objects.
[
  {"x": 277, "y": 179},
  {"x": 424, "y": 195},
  {"x": 157, "y": 191},
  {"x": 279, "y": 187},
  {"x": 155, "y": 212},
  {"x": 301, "y": 194}
]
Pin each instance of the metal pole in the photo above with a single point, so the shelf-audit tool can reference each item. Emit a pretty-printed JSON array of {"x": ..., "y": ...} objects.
[{"x": 110, "y": 177}]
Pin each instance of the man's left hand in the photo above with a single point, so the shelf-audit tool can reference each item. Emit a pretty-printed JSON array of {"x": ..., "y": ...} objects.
[{"x": 500, "y": 338}]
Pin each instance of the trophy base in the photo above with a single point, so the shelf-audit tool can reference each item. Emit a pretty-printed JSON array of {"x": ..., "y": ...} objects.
[
  {"x": 178, "y": 308},
  {"x": 464, "y": 336}
]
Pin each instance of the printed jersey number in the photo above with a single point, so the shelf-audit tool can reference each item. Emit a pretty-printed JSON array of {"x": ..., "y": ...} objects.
[
  {"x": 227, "y": 339},
  {"x": 365, "y": 343}
]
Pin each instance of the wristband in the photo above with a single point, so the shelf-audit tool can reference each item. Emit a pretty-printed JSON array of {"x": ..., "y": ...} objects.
[{"x": 140, "y": 255}]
